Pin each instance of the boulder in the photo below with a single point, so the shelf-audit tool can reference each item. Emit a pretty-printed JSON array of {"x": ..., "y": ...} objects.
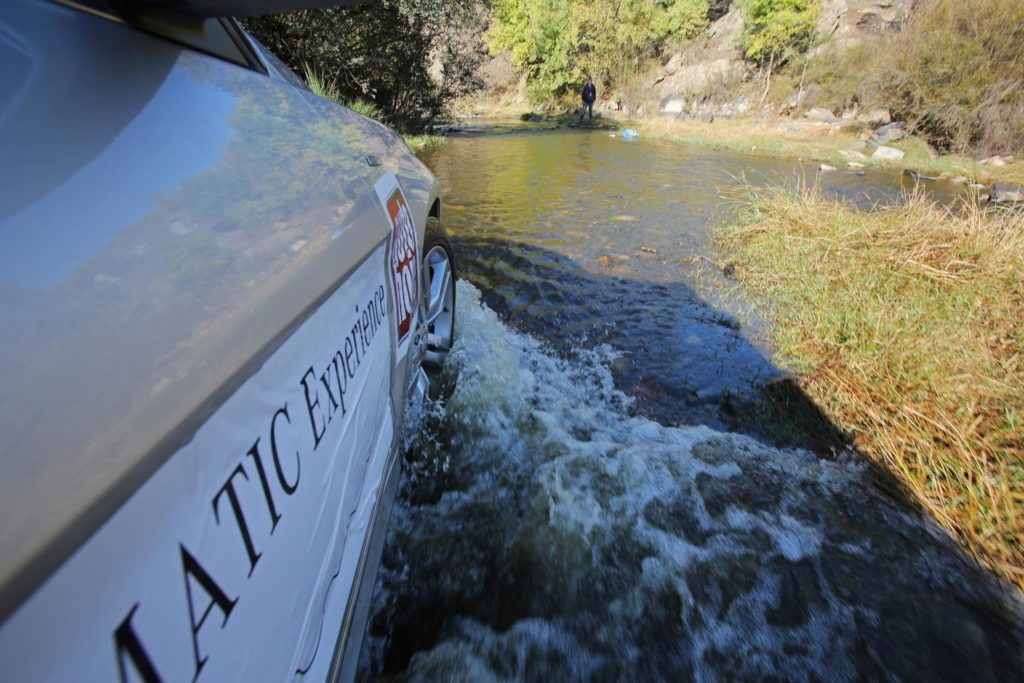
[
  {"x": 892, "y": 132},
  {"x": 830, "y": 16},
  {"x": 879, "y": 19},
  {"x": 888, "y": 153},
  {"x": 1007, "y": 193},
  {"x": 697, "y": 78},
  {"x": 819, "y": 114},
  {"x": 710, "y": 63},
  {"x": 997, "y": 161},
  {"x": 673, "y": 105},
  {"x": 875, "y": 117}
]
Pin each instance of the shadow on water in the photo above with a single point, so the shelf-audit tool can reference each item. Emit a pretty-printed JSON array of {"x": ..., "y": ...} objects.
[
  {"x": 570, "y": 515},
  {"x": 681, "y": 359}
]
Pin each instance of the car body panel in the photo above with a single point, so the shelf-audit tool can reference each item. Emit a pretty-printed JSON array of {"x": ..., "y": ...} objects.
[
  {"x": 169, "y": 221},
  {"x": 244, "y": 534}
]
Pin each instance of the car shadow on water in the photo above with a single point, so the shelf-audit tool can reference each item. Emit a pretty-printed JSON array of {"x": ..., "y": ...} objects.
[{"x": 551, "y": 529}]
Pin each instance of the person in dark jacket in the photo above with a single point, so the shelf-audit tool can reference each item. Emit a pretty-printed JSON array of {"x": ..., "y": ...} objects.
[{"x": 589, "y": 95}]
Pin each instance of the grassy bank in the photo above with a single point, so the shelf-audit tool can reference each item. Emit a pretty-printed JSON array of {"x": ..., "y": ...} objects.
[
  {"x": 789, "y": 139},
  {"x": 904, "y": 325}
]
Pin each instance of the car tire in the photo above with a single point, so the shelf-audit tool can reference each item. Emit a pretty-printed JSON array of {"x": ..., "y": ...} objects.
[{"x": 439, "y": 277}]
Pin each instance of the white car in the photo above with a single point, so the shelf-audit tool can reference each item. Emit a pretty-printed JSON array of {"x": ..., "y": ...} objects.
[{"x": 219, "y": 294}]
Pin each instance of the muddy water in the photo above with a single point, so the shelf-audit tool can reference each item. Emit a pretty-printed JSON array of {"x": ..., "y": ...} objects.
[{"x": 583, "y": 508}]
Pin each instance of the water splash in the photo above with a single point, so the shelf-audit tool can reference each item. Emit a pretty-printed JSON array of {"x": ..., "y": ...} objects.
[{"x": 564, "y": 539}]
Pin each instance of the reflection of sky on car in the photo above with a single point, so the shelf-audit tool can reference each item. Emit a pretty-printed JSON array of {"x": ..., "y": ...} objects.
[
  {"x": 170, "y": 262},
  {"x": 159, "y": 151}
]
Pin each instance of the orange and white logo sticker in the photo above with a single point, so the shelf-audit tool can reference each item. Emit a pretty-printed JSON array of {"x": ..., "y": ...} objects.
[{"x": 403, "y": 259}]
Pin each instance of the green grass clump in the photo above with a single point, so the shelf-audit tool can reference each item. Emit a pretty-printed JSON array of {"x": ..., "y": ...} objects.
[
  {"x": 904, "y": 325},
  {"x": 423, "y": 143},
  {"x": 327, "y": 90}
]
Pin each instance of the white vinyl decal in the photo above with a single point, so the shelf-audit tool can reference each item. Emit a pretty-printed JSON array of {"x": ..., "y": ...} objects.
[
  {"x": 403, "y": 260},
  {"x": 221, "y": 566}
]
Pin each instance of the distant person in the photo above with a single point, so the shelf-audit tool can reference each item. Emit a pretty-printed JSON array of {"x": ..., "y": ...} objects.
[{"x": 589, "y": 95}]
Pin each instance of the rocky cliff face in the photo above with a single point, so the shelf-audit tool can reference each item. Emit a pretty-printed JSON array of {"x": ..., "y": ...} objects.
[{"x": 701, "y": 79}]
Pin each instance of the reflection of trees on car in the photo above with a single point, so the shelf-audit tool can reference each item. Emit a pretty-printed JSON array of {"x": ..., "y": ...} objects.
[{"x": 277, "y": 177}]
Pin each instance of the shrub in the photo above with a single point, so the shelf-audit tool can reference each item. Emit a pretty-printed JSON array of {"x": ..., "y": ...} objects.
[
  {"x": 775, "y": 30},
  {"x": 409, "y": 58},
  {"x": 958, "y": 72}
]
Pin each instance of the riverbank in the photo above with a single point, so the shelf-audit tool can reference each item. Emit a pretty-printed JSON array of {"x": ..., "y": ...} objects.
[
  {"x": 903, "y": 325},
  {"x": 775, "y": 137}
]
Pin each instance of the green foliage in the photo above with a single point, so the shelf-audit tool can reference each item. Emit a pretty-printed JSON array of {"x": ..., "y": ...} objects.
[
  {"x": 557, "y": 44},
  {"x": 774, "y": 30},
  {"x": 408, "y": 58},
  {"x": 329, "y": 91}
]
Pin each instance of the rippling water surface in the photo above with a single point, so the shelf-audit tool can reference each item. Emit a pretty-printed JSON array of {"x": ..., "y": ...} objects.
[{"x": 584, "y": 508}]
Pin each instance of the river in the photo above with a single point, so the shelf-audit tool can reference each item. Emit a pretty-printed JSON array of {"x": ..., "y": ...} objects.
[{"x": 623, "y": 485}]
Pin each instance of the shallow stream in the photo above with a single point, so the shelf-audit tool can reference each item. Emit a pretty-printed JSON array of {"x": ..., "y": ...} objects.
[{"x": 599, "y": 499}]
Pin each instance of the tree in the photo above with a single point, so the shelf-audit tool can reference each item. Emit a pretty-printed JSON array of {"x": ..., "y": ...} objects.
[
  {"x": 410, "y": 58},
  {"x": 557, "y": 43}
]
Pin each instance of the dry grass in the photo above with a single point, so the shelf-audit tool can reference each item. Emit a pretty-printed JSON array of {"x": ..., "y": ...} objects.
[
  {"x": 957, "y": 71},
  {"x": 800, "y": 139},
  {"x": 906, "y": 326}
]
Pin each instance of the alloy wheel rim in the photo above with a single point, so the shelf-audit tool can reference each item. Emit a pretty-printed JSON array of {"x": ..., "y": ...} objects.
[{"x": 439, "y": 305}]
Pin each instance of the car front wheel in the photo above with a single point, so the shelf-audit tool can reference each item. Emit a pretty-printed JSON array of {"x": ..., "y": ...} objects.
[{"x": 439, "y": 276}]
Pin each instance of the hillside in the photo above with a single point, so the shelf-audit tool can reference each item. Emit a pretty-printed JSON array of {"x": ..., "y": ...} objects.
[{"x": 950, "y": 72}]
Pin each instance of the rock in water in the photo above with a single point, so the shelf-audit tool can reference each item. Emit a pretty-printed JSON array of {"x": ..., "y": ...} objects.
[
  {"x": 1008, "y": 193},
  {"x": 826, "y": 167},
  {"x": 917, "y": 175},
  {"x": 888, "y": 153}
]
